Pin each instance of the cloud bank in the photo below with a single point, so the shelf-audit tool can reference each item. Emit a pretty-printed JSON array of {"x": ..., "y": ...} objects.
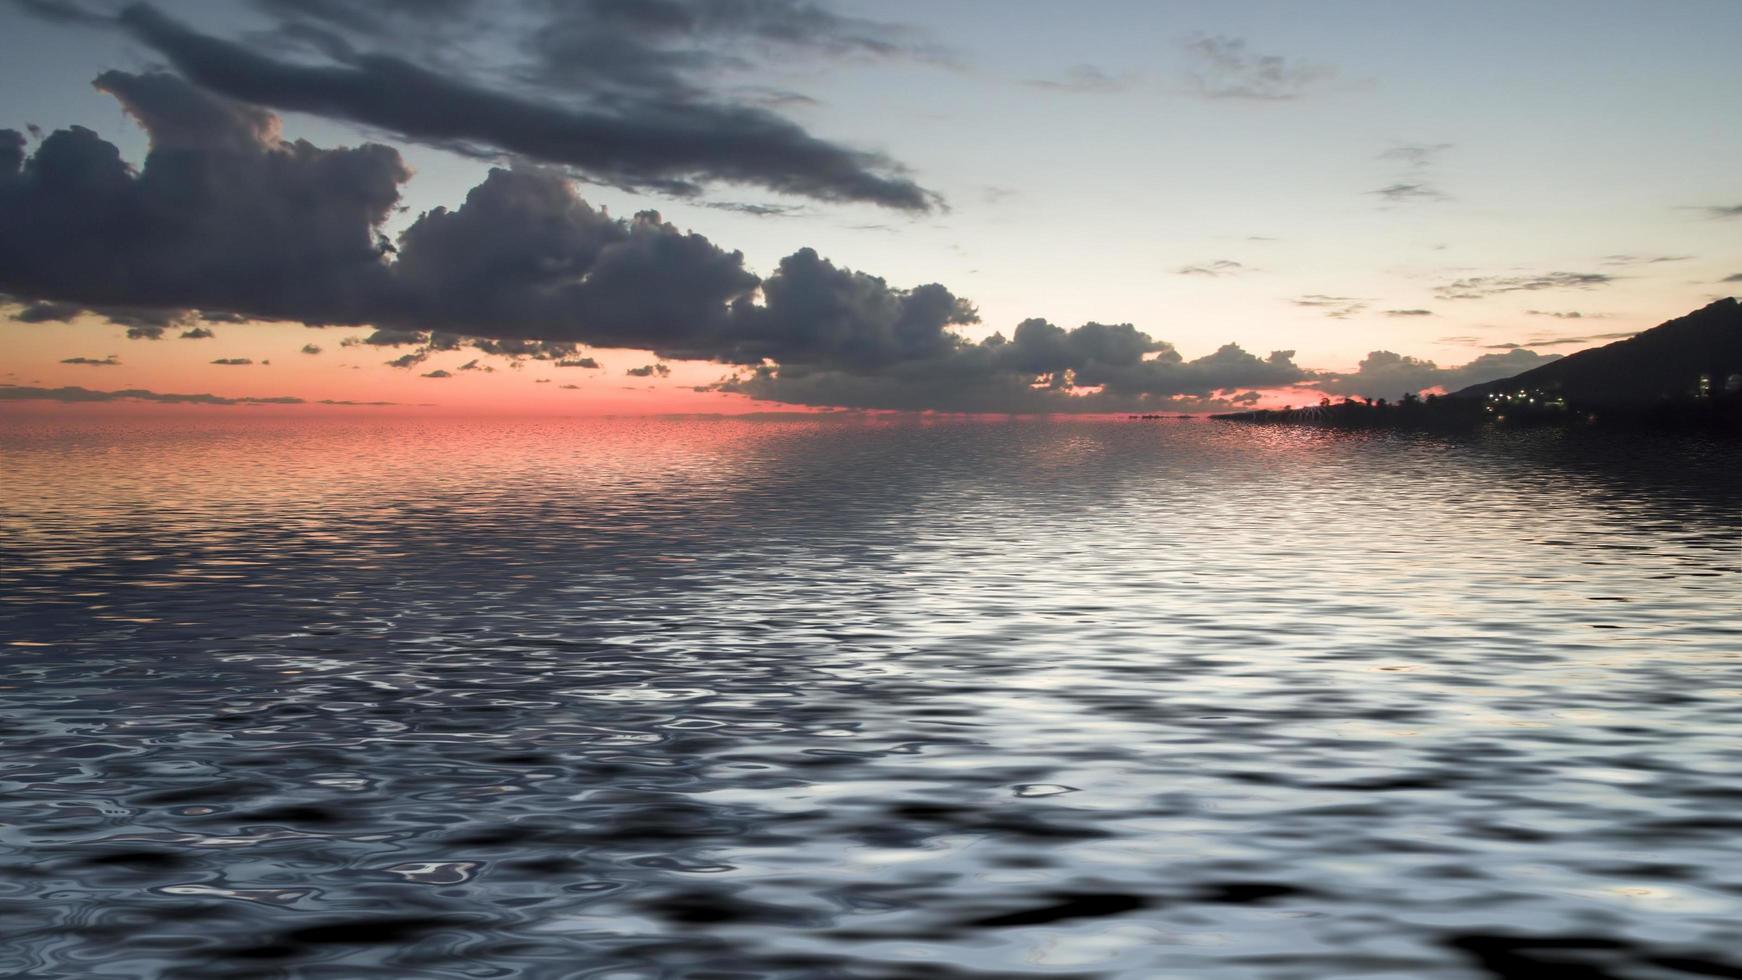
[{"x": 227, "y": 218}]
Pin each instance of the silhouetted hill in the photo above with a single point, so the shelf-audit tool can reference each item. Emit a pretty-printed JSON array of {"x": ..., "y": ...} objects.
[{"x": 1665, "y": 363}]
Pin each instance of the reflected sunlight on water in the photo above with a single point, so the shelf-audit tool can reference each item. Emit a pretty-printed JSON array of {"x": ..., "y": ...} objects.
[{"x": 819, "y": 699}]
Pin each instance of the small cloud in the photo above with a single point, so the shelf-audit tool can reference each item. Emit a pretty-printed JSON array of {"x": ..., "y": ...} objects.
[
  {"x": 757, "y": 210},
  {"x": 1538, "y": 342},
  {"x": 541, "y": 381},
  {"x": 475, "y": 365},
  {"x": 1338, "y": 307},
  {"x": 571, "y": 387},
  {"x": 408, "y": 360},
  {"x": 234, "y": 361},
  {"x": 1409, "y": 312},
  {"x": 311, "y": 348},
  {"x": 1223, "y": 68},
  {"x": 580, "y": 362},
  {"x": 1720, "y": 210},
  {"x": 648, "y": 371},
  {"x": 1415, "y": 154},
  {"x": 197, "y": 333},
  {"x": 1477, "y": 287},
  {"x": 1084, "y": 80},
  {"x": 145, "y": 332},
  {"x": 1735, "y": 278},
  {"x": 437, "y": 373},
  {"x": 1220, "y": 267},
  {"x": 1643, "y": 259},
  {"x": 110, "y": 361},
  {"x": 1405, "y": 192}
]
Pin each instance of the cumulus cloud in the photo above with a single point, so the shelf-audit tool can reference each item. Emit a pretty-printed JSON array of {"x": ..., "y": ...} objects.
[
  {"x": 110, "y": 361},
  {"x": 1384, "y": 374},
  {"x": 437, "y": 373},
  {"x": 311, "y": 348},
  {"x": 1041, "y": 368},
  {"x": 1478, "y": 287},
  {"x": 649, "y": 135},
  {"x": 197, "y": 333},
  {"x": 1224, "y": 68},
  {"x": 648, "y": 371},
  {"x": 578, "y": 362}
]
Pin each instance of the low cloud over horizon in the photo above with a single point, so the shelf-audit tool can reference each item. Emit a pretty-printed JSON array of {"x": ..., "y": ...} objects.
[{"x": 226, "y": 221}]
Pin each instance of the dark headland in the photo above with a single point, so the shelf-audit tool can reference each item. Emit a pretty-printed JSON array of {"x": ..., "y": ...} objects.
[{"x": 1684, "y": 374}]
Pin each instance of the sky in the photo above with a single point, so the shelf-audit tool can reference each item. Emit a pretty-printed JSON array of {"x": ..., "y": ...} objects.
[{"x": 958, "y": 206}]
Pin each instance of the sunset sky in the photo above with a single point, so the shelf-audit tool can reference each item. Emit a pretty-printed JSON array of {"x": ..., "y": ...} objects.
[{"x": 435, "y": 203}]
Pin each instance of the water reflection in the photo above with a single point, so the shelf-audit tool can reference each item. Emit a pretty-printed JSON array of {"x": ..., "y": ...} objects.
[{"x": 833, "y": 699}]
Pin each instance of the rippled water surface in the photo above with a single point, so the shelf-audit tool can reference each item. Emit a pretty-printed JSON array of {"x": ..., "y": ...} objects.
[{"x": 766, "y": 699}]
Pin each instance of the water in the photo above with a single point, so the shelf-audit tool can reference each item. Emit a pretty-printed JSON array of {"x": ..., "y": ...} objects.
[{"x": 954, "y": 699}]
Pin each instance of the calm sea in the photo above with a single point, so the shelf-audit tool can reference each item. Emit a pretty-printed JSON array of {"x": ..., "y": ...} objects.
[{"x": 896, "y": 699}]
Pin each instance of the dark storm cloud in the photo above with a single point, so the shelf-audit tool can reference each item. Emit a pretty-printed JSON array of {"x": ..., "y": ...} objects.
[
  {"x": 1224, "y": 68},
  {"x": 41, "y": 312},
  {"x": 659, "y": 143},
  {"x": 1219, "y": 267},
  {"x": 234, "y": 361},
  {"x": 1384, "y": 374},
  {"x": 223, "y": 215},
  {"x": 1401, "y": 313},
  {"x": 660, "y": 46},
  {"x": 110, "y": 361},
  {"x": 197, "y": 333},
  {"x": 1477, "y": 287},
  {"x": 394, "y": 338},
  {"x": 1084, "y": 80}
]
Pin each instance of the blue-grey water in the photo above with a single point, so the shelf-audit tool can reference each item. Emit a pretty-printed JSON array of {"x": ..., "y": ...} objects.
[{"x": 827, "y": 699}]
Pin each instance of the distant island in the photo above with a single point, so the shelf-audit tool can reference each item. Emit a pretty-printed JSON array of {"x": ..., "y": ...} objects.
[{"x": 1684, "y": 374}]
